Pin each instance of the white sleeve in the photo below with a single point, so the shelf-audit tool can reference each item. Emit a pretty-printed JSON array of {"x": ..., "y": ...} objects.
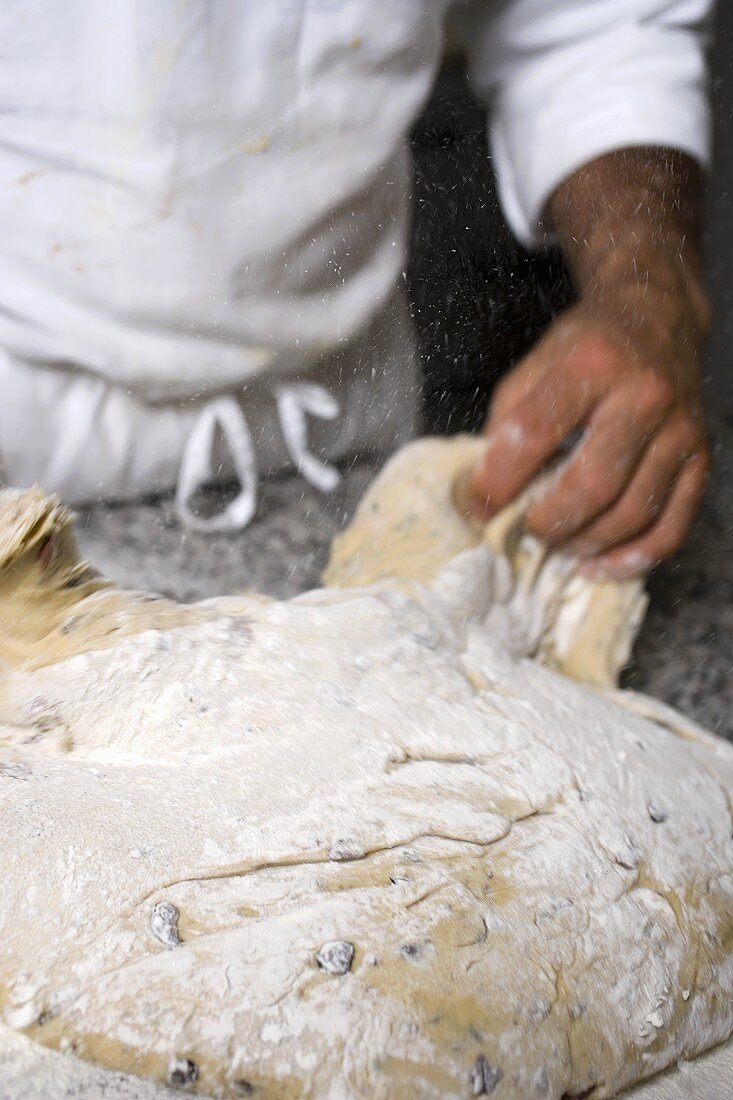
[{"x": 573, "y": 79}]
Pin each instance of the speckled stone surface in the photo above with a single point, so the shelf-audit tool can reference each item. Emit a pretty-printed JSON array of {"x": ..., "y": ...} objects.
[{"x": 684, "y": 654}]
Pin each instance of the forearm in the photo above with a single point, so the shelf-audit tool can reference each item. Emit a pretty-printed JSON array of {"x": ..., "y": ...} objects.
[{"x": 629, "y": 225}]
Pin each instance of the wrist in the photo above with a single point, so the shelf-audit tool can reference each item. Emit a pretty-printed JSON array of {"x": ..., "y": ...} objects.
[
  {"x": 666, "y": 296},
  {"x": 629, "y": 226}
]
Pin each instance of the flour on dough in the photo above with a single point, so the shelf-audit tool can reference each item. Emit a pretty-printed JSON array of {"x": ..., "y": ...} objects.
[
  {"x": 412, "y": 522},
  {"x": 367, "y": 842}
]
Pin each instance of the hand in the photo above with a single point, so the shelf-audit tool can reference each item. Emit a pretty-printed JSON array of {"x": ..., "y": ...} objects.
[{"x": 621, "y": 366}]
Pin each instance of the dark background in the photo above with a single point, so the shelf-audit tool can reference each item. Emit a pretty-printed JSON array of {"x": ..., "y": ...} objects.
[
  {"x": 479, "y": 299},
  {"x": 719, "y": 227}
]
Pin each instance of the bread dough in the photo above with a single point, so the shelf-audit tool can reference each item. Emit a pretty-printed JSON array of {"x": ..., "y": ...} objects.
[
  {"x": 414, "y": 520},
  {"x": 355, "y": 844}
]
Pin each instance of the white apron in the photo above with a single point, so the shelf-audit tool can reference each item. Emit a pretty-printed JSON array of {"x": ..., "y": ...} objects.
[{"x": 202, "y": 201}]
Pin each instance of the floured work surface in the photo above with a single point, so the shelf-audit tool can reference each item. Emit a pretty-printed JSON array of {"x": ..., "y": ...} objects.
[{"x": 354, "y": 844}]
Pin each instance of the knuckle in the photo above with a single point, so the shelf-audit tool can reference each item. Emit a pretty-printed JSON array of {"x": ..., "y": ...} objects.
[
  {"x": 688, "y": 436},
  {"x": 639, "y": 514},
  {"x": 590, "y": 490},
  {"x": 671, "y": 532},
  {"x": 531, "y": 434},
  {"x": 592, "y": 355},
  {"x": 593, "y": 495},
  {"x": 684, "y": 422},
  {"x": 657, "y": 392},
  {"x": 668, "y": 541}
]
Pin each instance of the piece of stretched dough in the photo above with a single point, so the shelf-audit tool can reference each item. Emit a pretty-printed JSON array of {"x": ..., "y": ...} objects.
[
  {"x": 350, "y": 845},
  {"x": 407, "y": 527}
]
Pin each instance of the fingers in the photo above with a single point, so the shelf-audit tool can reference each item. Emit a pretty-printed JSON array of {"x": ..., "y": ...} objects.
[
  {"x": 603, "y": 463},
  {"x": 666, "y": 535},
  {"x": 528, "y": 436},
  {"x": 631, "y": 486},
  {"x": 646, "y": 494}
]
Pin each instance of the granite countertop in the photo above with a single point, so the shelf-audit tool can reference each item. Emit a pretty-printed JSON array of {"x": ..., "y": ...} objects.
[{"x": 684, "y": 654}]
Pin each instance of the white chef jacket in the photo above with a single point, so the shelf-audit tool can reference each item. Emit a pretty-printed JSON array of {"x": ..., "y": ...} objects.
[{"x": 204, "y": 209}]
